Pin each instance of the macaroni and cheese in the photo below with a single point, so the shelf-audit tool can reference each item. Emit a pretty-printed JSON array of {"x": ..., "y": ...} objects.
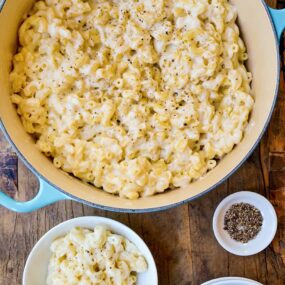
[
  {"x": 94, "y": 257},
  {"x": 134, "y": 97}
]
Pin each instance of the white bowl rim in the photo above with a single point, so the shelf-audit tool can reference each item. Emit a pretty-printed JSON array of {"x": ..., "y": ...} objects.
[
  {"x": 225, "y": 202},
  {"x": 99, "y": 220},
  {"x": 214, "y": 281}
]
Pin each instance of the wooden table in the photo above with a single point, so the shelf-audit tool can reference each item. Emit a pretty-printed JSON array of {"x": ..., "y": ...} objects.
[{"x": 181, "y": 239}]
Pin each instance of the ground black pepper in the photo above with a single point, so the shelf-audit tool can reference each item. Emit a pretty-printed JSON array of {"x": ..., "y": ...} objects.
[{"x": 243, "y": 222}]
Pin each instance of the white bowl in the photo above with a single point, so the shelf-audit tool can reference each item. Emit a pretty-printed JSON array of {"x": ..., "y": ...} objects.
[
  {"x": 231, "y": 281},
  {"x": 264, "y": 237},
  {"x": 35, "y": 271}
]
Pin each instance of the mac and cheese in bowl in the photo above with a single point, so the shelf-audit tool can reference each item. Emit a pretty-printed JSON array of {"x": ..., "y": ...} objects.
[
  {"x": 135, "y": 97},
  {"x": 94, "y": 257}
]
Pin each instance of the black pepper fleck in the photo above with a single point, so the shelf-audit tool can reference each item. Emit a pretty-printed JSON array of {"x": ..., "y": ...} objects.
[{"x": 243, "y": 222}]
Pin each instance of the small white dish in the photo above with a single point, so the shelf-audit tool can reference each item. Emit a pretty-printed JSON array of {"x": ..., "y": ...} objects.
[
  {"x": 264, "y": 237},
  {"x": 35, "y": 271},
  {"x": 232, "y": 281}
]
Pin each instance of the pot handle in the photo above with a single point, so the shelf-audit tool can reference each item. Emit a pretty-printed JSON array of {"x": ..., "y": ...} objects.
[
  {"x": 278, "y": 18},
  {"x": 46, "y": 195}
]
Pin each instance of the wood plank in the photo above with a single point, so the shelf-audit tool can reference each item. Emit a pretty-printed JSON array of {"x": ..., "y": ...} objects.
[
  {"x": 9, "y": 173},
  {"x": 205, "y": 249},
  {"x": 277, "y": 171},
  {"x": 273, "y": 164},
  {"x": 277, "y": 197},
  {"x": 276, "y": 130}
]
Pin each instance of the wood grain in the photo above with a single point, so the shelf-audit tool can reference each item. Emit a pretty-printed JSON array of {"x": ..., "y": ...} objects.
[
  {"x": 9, "y": 172},
  {"x": 181, "y": 239}
]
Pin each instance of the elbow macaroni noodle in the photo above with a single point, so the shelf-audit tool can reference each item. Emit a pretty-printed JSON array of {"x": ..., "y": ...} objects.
[
  {"x": 99, "y": 257},
  {"x": 134, "y": 97}
]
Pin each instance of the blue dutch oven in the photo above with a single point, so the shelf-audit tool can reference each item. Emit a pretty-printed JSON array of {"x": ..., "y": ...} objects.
[{"x": 261, "y": 29}]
